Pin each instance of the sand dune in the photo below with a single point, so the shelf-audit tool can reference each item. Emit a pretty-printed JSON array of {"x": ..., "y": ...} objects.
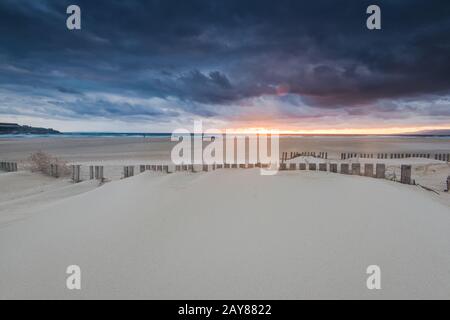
[
  {"x": 23, "y": 193},
  {"x": 232, "y": 234}
]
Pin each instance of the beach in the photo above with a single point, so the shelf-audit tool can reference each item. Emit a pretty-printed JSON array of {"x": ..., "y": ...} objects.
[
  {"x": 224, "y": 234},
  {"x": 211, "y": 152}
]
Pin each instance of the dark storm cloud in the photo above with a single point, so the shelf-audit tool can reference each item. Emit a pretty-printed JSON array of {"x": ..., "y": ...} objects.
[{"x": 222, "y": 52}]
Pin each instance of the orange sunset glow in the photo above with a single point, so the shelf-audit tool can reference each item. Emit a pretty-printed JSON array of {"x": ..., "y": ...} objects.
[{"x": 343, "y": 131}]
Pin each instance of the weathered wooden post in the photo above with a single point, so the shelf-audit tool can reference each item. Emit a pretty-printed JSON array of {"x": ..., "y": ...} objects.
[
  {"x": 11, "y": 166},
  {"x": 381, "y": 171},
  {"x": 333, "y": 167},
  {"x": 54, "y": 170},
  {"x": 356, "y": 169},
  {"x": 322, "y": 167},
  {"x": 99, "y": 173},
  {"x": 76, "y": 173},
  {"x": 312, "y": 167},
  {"x": 302, "y": 166},
  {"x": 368, "y": 170},
  {"x": 344, "y": 168},
  {"x": 405, "y": 174}
]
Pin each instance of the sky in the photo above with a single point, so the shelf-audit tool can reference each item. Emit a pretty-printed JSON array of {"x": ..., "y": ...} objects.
[{"x": 159, "y": 65}]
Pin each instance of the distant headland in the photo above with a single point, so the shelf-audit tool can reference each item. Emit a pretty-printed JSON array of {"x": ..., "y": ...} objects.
[{"x": 14, "y": 128}]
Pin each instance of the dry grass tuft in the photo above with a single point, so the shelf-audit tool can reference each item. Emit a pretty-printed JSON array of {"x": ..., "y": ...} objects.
[{"x": 41, "y": 162}]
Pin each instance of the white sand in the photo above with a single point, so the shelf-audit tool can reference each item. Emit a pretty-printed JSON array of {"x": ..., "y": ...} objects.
[
  {"x": 429, "y": 173},
  {"x": 232, "y": 234},
  {"x": 146, "y": 149},
  {"x": 23, "y": 193}
]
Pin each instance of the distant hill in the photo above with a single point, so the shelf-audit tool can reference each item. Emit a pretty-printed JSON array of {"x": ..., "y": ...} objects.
[{"x": 14, "y": 128}]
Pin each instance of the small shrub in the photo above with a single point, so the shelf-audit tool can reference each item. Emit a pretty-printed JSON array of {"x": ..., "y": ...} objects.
[{"x": 41, "y": 162}]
